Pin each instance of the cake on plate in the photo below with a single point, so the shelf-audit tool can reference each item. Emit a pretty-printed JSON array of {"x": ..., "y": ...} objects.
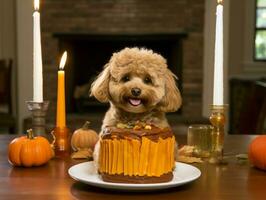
[{"x": 141, "y": 153}]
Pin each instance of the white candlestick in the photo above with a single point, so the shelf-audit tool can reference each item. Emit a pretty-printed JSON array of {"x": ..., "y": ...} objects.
[
  {"x": 37, "y": 56},
  {"x": 218, "y": 63}
]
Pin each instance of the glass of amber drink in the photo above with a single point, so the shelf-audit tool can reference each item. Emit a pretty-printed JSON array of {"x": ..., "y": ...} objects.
[{"x": 200, "y": 136}]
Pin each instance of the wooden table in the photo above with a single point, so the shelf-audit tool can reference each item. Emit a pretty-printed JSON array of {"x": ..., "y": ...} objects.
[{"x": 232, "y": 181}]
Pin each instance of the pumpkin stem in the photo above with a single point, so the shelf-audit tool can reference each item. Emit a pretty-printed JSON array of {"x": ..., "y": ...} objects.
[
  {"x": 86, "y": 126},
  {"x": 30, "y": 134}
]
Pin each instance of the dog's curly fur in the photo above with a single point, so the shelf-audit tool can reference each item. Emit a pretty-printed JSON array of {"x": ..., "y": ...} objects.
[
  {"x": 142, "y": 69},
  {"x": 137, "y": 68}
]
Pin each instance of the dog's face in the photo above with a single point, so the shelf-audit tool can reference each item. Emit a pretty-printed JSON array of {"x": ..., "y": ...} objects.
[
  {"x": 137, "y": 81},
  {"x": 136, "y": 89}
]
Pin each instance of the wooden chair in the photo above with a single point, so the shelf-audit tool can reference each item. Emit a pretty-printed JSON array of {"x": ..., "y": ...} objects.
[
  {"x": 251, "y": 118},
  {"x": 7, "y": 120}
]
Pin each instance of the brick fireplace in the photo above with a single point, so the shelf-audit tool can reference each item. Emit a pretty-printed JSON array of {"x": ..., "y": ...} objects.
[
  {"x": 66, "y": 19},
  {"x": 88, "y": 53}
]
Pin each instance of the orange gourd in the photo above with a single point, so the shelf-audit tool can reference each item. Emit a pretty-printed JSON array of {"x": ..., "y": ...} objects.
[
  {"x": 28, "y": 151},
  {"x": 84, "y": 138},
  {"x": 257, "y": 152}
]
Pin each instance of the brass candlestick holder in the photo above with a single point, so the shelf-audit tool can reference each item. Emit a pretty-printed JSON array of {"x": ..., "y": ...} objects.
[
  {"x": 217, "y": 119},
  {"x": 38, "y": 114}
]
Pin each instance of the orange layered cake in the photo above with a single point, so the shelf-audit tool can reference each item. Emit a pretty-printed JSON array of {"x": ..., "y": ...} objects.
[{"x": 137, "y": 155}]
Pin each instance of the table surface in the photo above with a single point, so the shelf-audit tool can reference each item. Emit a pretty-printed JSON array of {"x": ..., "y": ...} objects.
[{"x": 51, "y": 181}]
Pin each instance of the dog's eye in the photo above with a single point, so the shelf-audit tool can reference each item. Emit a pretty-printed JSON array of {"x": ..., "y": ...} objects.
[
  {"x": 147, "y": 80},
  {"x": 126, "y": 78}
]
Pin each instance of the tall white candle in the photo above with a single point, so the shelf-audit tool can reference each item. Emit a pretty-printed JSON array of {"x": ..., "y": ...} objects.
[
  {"x": 37, "y": 56},
  {"x": 218, "y": 88}
]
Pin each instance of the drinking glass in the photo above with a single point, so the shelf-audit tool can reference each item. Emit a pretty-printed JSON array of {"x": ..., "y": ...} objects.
[{"x": 201, "y": 137}]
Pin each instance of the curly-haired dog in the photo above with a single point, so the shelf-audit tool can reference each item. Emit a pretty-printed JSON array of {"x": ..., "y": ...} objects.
[{"x": 139, "y": 87}]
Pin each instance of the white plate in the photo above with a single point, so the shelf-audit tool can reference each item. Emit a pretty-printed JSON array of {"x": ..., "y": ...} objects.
[{"x": 86, "y": 173}]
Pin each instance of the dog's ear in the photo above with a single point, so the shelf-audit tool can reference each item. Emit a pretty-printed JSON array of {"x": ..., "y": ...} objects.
[
  {"x": 99, "y": 88},
  {"x": 172, "y": 99}
]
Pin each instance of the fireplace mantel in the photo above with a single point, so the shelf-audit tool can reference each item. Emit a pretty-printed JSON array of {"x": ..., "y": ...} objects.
[{"x": 121, "y": 36}]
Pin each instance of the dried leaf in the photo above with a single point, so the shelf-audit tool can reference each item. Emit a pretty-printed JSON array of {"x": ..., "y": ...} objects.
[
  {"x": 188, "y": 159},
  {"x": 186, "y": 150}
]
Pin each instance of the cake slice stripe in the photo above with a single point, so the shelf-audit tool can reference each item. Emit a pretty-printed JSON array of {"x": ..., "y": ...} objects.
[
  {"x": 146, "y": 156},
  {"x": 148, "y": 159},
  {"x": 106, "y": 156},
  {"x": 163, "y": 157},
  {"x": 120, "y": 162},
  {"x": 112, "y": 155},
  {"x": 101, "y": 156},
  {"x": 142, "y": 154},
  {"x": 136, "y": 152},
  {"x": 169, "y": 154},
  {"x": 138, "y": 156},
  {"x": 125, "y": 158},
  {"x": 155, "y": 160},
  {"x": 115, "y": 156},
  {"x": 134, "y": 157},
  {"x": 130, "y": 158},
  {"x": 109, "y": 156},
  {"x": 151, "y": 157},
  {"x": 173, "y": 152},
  {"x": 168, "y": 160},
  {"x": 108, "y": 150},
  {"x": 159, "y": 157}
]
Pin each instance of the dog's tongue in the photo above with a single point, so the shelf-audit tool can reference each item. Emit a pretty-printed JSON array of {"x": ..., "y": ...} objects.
[{"x": 135, "y": 102}]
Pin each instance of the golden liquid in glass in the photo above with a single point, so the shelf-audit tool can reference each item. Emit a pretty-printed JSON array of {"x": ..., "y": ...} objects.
[{"x": 202, "y": 138}]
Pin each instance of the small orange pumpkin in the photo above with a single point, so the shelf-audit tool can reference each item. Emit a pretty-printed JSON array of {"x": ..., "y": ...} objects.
[
  {"x": 257, "y": 152},
  {"x": 29, "y": 151},
  {"x": 84, "y": 138}
]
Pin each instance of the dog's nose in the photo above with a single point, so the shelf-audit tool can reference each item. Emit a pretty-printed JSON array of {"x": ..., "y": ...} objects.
[{"x": 135, "y": 91}]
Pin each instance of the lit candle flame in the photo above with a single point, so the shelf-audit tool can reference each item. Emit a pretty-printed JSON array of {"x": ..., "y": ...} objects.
[
  {"x": 220, "y": 1},
  {"x": 36, "y": 4},
  {"x": 63, "y": 61}
]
